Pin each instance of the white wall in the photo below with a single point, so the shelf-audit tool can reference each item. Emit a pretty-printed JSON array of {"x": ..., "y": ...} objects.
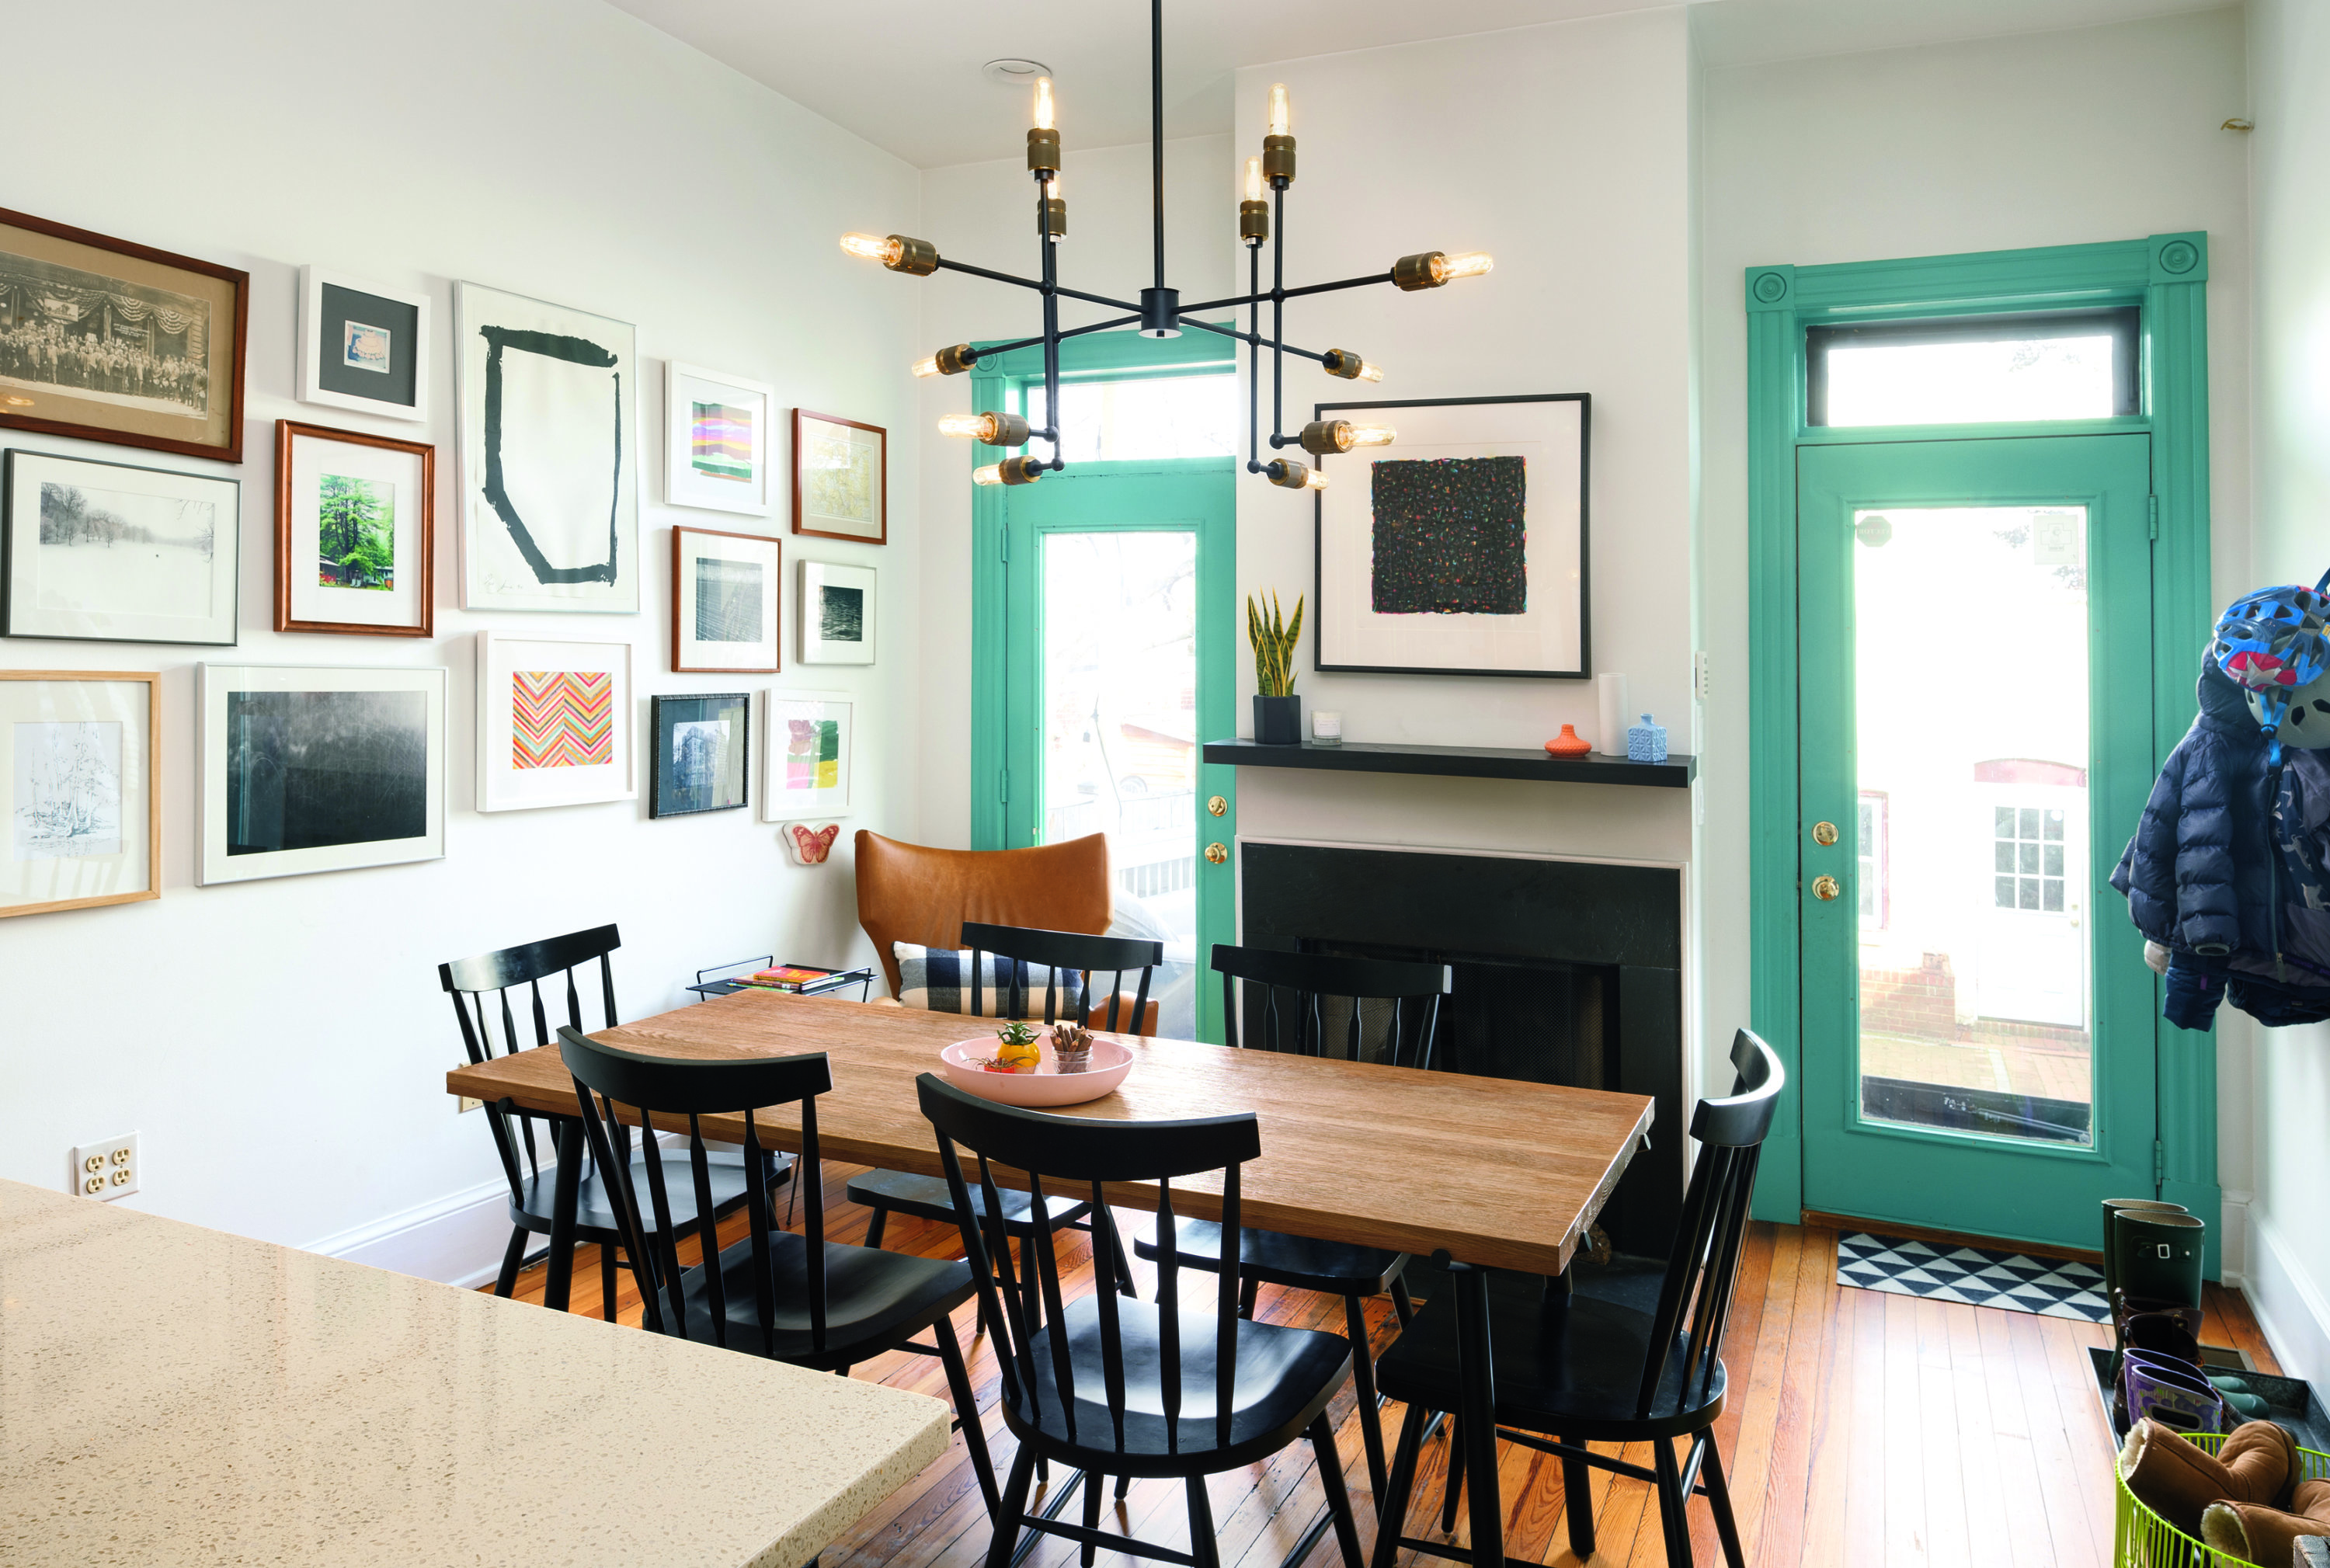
[
  {"x": 2103, "y": 132},
  {"x": 279, "y": 1045},
  {"x": 2289, "y": 59}
]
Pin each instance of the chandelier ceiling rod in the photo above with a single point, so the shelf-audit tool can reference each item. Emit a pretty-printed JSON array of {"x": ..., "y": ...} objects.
[{"x": 1160, "y": 313}]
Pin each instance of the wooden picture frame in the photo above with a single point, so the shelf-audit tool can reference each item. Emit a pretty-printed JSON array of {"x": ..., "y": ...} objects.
[
  {"x": 363, "y": 347},
  {"x": 176, "y": 329},
  {"x": 864, "y": 518},
  {"x": 411, "y": 487},
  {"x": 70, "y": 873},
  {"x": 758, "y": 600},
  {"x": 717, "y": 455},
  {"x": 139, "y": 554}
]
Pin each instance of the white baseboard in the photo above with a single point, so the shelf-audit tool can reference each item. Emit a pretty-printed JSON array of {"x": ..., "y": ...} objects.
[
  {"x": 2233, "y": 1237},
  {"x": 456, "y": 1240},
  {"x": 2289, "y": 1306}
]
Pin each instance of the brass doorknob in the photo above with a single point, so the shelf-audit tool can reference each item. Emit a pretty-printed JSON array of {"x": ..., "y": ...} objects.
[
  {"x": 1217, "y": 852},
  {"x": 1825, "y": 887},
  {"x": 1218, "y": 806},
  {"x": 1823, "y": 833}
]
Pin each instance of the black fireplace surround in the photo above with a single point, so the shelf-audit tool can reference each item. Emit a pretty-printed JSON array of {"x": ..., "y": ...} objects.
[{"x": 1564, "y": 972}]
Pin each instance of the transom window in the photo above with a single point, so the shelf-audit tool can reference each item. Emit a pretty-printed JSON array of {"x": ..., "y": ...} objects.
[
  {"x": 2027, "y": 858},
  {"x": 1976, "y": 370},
  {"x": 1143, "y": 418}
]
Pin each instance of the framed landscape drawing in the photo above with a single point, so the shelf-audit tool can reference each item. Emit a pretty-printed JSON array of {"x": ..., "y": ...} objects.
[
  {"x": 554, "y": 722},
  {"x": 307, "y": 768},
  {"x": 363, "y": 346},
  {"x": 806, "y": 740},
  {"x": 356, "y": 531},
  {"x": 78, "y": 754},
  {"x": 717, "y": 440},
  {"x": 841, "y": 478},
  {"x": 114, "y": 342},
  {"x": 703, "y": 753},
  {"x": 725, "y": 592},
  {"x": 108, "y": 553},
  {"x": 837, "y": 613},
  {"x": 1462, "y": 551},
  {"x": 550, "y": 447}
]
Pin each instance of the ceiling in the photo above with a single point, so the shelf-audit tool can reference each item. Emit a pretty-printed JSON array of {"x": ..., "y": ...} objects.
[{"x": 905, "y": 74}]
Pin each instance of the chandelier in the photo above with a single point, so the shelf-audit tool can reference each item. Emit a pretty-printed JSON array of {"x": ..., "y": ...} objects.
[{"x": 1160, "y": 313}]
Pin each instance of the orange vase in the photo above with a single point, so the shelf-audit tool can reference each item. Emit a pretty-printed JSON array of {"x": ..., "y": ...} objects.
[{"x": 1569, "y": 743}]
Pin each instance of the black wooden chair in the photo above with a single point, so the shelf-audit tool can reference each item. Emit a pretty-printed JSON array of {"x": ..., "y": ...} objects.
[
  {"x": 1078, "y": 956},
  {"x": 1627, "y": 1352},
  {"x": 1110, "y": 1386},
  {"x": 794, "y": 1297},
  {"x": 1410, "y": 1033},
  {"x": 481, "y": 988}
]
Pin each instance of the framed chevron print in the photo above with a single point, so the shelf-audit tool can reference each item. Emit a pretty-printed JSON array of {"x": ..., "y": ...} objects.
[{"x": 554, "y": 722}]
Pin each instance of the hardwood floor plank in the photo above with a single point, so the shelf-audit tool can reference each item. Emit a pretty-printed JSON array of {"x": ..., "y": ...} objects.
[
  {"x": 1798, "y": 1431},
  {"x": 2079, "y": 1539},
  {"x": 2021, "y": 1509},
  {"x": 1762, "y": 1322},
  {"x": 1942, "y": 1459},
  {"x": 1903, "y": 1433}
]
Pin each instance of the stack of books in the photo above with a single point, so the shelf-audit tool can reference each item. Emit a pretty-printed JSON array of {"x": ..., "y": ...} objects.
[{"x": 787, "y": 978}]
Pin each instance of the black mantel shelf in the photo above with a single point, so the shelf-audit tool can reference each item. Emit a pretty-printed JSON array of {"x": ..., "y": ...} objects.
[{"x": 1458, "y": 762}]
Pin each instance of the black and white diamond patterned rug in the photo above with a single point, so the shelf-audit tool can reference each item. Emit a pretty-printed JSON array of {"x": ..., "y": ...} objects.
[{"x": 2048, "y": 1287}]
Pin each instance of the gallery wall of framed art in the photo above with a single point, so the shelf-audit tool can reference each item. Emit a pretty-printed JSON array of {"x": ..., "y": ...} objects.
[{"x": 79, "y": 759}]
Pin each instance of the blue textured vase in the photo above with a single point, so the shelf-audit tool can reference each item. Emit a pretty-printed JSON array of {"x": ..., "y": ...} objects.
[{"x": 1646, "y": 741}]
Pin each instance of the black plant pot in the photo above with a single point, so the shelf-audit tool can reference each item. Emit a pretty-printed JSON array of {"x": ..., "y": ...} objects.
[{"x": 1278, "y": 720}]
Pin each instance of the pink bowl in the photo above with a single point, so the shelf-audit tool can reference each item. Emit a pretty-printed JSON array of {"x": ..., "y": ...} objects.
[{"x": 1048, "y": 1085}]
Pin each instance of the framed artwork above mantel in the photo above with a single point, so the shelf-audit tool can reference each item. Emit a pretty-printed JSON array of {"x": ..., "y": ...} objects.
[{"x": 1462, "y": 550}]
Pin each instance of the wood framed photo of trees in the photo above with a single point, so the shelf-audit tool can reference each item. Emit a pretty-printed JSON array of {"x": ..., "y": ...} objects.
[
  {"x": 112, "y": 341},
  {"x": 356, "y": 532},
  {"x": 78, "y": 754}
]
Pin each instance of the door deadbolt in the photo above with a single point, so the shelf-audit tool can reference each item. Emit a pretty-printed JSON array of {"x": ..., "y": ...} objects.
[
  {"x": 1825, "y": 888},
  {"x": 1823, "y": 833},
  {"x": 1218, "y": 806},
  {"x": 1217, "y": 852}
]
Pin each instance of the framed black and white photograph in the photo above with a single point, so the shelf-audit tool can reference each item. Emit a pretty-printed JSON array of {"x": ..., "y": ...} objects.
[
  {"x": 110, "y": 552},
  {"x": 725, "y": 590},
  {"x": 363, "y": 345},
  {"x": 717, "y": 440},
  {"x": 356, "y": 532},
  {"x": 1460, "y": 550},
  {"x": 305, "y": 769},
  {"x": 78, "y": 751},
  {"x": 703, "y": 753},
  {"x": 550, "y": 444},
  {"x": 837, "y": 613},
  {"x": 112, "y": 341}
]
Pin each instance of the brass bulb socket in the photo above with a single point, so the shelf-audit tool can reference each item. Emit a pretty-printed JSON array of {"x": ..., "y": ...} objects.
[
  {"x": 1043, "y": 150},
  {"x": 1339, "y": 362},
  {"x": 1278, "y": 159},
  {"x": 956, "y": 359},
  {"x": 1325, "y": 438},
  {"x": 1253, "y": 219},
  {"x": 1022, "y": 470},
  {"x": 916, "y": 258},
  {"x": 1287, "y": 474},
  {"x": 1009, "y": 431},
  {"x": 1418, "y": 272},
  {"x": 1056, "y": 216}
]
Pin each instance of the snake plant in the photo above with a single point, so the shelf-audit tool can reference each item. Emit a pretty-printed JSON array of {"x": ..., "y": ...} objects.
[{"x": 1273, "y": 646}]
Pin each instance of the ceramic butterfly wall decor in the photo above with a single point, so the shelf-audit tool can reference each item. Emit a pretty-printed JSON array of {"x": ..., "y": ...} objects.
[{"x": 810, "y": 843}]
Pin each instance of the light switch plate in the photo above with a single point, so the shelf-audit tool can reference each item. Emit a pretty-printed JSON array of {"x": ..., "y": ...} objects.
[{"x": 107, "y": 1171}]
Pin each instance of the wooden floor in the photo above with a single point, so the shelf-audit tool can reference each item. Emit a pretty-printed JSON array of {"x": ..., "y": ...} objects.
[{"x": 1862, "y": 1429}]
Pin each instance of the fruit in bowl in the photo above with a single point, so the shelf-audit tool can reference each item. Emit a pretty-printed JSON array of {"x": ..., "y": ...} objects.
[{"x": 1018, "y": 1051}]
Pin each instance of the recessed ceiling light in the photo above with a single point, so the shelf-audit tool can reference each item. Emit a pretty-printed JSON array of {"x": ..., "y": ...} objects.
[{"x": 1013, "y": 72}]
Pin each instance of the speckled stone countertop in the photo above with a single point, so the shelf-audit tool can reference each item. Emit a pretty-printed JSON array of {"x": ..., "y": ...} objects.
[{"x": 170, "y": 1394}]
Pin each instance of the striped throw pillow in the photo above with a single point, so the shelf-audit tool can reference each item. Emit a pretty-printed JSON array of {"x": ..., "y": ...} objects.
[{"x": 938, "y": 981}]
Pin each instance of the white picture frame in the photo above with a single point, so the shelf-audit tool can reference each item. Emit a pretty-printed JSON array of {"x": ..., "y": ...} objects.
[
  {"x": 79, "y": 789},
  {"x": 785, "y": 796},
  {"x": 259, "y": 727},
  {"x": 147, "y": 555},
  {"x": 549, "y": 517},
  {"x": 719, "y": 439},
  {"x": 338, "y": 361},
  {"x": 574, "y": 744},
  {"x": 837, "y": 613},
  {"x": 727, "y": 603}
]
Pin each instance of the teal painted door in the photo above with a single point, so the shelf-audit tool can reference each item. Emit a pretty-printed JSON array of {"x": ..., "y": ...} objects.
[
  {"x": 1975, "y": 724},
  {"x": 1119, "y": 589}
]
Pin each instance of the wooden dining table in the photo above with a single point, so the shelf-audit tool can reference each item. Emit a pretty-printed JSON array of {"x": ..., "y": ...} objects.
[{"x": 1492, "y": 1173}]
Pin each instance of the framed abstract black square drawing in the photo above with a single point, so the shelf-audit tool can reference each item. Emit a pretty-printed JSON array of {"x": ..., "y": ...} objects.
[
  {"x": 1462, "y": 549},
  {"x": 305, "y": 769},
  {"x": 363, "y": 345},
  {"x": 113, "y": 552},
  {"x": 549, "y": 442},
  {"x": 703, "y": 753}
]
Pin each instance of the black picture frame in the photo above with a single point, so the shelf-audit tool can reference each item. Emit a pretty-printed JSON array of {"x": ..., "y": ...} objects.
[
  {"x": 20, "y": 475},
  {"x": 678, "y": 790},
  {"x": 1321, "y": 608}
]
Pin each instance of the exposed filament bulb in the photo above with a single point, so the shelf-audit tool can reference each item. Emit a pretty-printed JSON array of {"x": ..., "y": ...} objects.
[
  {"x": 1281, "y": 116},
  {"x": 1044, "y": 120}
]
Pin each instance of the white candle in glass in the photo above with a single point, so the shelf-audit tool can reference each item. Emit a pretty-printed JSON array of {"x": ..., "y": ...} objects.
[{"x": 1327, "y": 729}]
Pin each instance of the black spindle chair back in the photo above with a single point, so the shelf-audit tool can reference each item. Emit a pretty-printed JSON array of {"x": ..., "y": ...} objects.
[
  {"x": 1414, "y": 990},
  {"x": 1076, "y": 955},
  {"x": 623, "y": 1094}
]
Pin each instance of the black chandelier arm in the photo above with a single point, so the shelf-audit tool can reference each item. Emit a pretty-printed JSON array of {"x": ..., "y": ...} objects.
[
  {"x": 1065, "y": 332},
  {"x": 992, "y": 277},
  {"x": 1098, "y": 300},
  {"x": 1254, "y": 359},
  {"x": 1252, "y": 337},
  {"x": 1051, "y": 319},
  {"x": 1272, "y": 294},
  {"x": 1277, "y": 310}
]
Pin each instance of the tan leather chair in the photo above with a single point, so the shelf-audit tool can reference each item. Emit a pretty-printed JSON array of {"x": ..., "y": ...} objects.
[{"x": 910, "y": 892}]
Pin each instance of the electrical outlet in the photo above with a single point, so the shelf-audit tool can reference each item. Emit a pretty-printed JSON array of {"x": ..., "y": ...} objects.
[
  {"x": 1702, "y": 682},
  {"x": 107, "y": 1171}
]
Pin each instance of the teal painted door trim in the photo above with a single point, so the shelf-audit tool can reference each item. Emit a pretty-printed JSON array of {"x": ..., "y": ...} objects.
[{"x": 2168, "y": 275}]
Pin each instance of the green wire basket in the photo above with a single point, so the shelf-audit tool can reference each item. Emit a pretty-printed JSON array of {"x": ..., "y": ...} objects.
[{"x": 2142, "y": 1539}]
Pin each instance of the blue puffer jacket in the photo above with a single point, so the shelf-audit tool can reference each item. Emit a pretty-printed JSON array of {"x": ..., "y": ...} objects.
[{"x": 2198, "y": 874}]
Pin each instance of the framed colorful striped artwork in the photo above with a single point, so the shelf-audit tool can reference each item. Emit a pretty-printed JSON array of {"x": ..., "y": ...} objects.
[
  {"x": 806, "y": 742},
  {"x": 554, "y": 722},
  {"x": 716, "y": 434}
]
